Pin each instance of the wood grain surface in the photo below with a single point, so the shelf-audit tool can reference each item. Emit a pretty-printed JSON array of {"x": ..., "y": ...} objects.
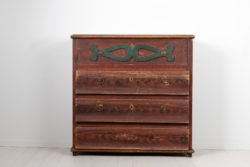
[
  {"x": 117, "y": 136},
  {"x": 132, "y": 109},
  {"x": 133, "y": 82},
  {"x": 75, "y": 36}
]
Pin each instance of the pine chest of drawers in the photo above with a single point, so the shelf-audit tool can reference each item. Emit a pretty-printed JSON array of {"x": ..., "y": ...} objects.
[{"x": 132, "y": 94}]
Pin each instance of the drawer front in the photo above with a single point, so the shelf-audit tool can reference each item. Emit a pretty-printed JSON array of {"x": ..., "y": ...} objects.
[
  {"x": 138, "y": 137},
  {"x": 132, "y": 109},
  {"x": 132, "y": 52},
  {"x": 132, "y": 82}
]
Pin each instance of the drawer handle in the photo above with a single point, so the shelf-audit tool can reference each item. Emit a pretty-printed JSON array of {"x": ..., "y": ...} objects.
[
  {"x": 165, "y": 82},
  {"x": 100, "y": 81},
  {"x": 99, "y": 107},
  {"x": 131, "y": 107},
  {"x": 164, "y": 109}
]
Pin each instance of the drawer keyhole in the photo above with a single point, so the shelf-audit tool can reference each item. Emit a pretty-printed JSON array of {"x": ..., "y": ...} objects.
[
  {"x": 131, "y": 79},
  {"x": 164, "y": 109},
  {"x": 99, "y": 107},
  {"x": 100, "y": 81},
  {"x": 165, "y": 82},
  {"x": 131, "y": 107}
]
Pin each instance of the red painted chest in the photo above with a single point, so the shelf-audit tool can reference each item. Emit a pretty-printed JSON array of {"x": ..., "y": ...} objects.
[{"x": 132, "y": 93}]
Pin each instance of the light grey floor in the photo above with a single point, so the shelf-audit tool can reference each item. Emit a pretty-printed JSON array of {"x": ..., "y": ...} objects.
[{"x": 62, "y": 157}]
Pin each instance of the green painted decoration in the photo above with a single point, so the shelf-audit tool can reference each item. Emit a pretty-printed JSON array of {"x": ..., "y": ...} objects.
[{"x": 132, "y": 52}]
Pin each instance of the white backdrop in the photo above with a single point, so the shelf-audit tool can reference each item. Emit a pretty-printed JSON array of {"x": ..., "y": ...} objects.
[{"x": 36, "y": 63}]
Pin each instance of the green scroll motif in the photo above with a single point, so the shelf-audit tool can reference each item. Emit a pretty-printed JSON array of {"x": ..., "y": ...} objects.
[{"x": 132, "y": 52}]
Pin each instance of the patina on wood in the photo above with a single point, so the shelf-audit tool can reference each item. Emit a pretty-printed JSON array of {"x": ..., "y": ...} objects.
[
  {"x": 133, "y": 82},
  {"x": 138, "y": 105},
  {"x": 132, "y": 109},
  {"x": 138, "y": 137}
]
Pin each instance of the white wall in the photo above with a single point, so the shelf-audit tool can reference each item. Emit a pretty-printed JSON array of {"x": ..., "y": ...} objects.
[{"x": 35, "y": 63}]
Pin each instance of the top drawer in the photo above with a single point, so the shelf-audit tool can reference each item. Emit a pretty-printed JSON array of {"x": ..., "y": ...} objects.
[{"x": 131, "y": 53}]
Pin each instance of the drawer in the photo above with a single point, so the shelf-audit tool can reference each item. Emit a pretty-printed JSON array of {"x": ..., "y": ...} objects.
[
  {"x": 132, "y": 109},
  {"x": 132, "y": 52},
  {"x": 132, "y": 82},
  {"x": 132, "y": 137}
]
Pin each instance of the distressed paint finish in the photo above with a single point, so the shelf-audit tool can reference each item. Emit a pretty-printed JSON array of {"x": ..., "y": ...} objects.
[
  {"x": 132, "y": 106},
  {"x": 134, "y": 82},
  {"x": 132, "y": 109},
  {"x": 116, "y": 136}
]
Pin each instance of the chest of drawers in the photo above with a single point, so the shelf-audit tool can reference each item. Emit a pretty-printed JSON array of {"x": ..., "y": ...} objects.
[{"x": 132, "y": 93}]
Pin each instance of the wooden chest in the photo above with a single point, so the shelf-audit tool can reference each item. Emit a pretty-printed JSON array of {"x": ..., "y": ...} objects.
[{"x": 132, "y": 93}]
